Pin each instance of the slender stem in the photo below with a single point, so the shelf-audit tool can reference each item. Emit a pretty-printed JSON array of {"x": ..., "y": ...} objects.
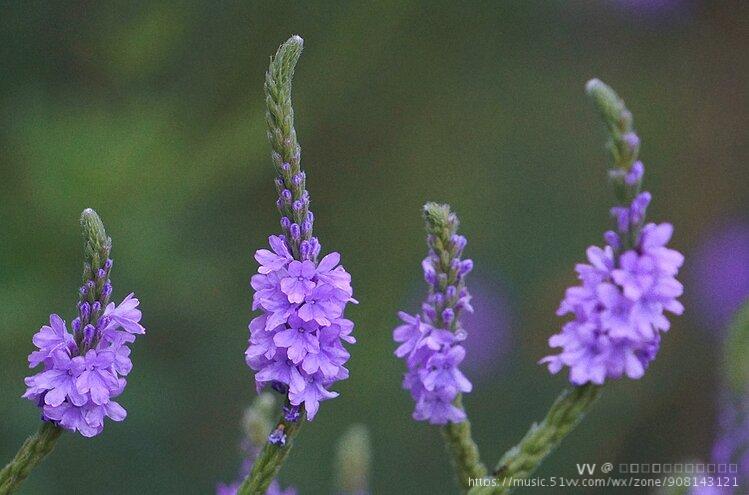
[
  {"x": 271, "y": 458},
  {"x": 463, "y": 450},
  {"x": 522, "y": 460},
  {"x": 31, "y": 453}
]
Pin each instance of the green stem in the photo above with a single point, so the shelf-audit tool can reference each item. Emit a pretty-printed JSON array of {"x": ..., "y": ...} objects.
[
  {"x": 522, "y": 460},
  {"x": 271, "y": 458},
  {"x": 463, "y": 451},
  {"x": 31, "y": 453}
]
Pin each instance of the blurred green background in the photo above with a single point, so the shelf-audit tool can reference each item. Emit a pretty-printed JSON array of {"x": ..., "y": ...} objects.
[{"x": 152, "y": 113}]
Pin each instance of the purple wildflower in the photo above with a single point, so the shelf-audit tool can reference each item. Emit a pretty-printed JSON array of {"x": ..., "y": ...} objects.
[
  {"x": 125, "y": 317},
  {"x": 77, "y": 390},
  {"x": 83, "y": 369},
  {"x": 298, "y": 340},
  {"x": 296, "y": 343},
  {"x": 626, "y": 286},
  {"x": 429, "y": 342},
  {"x": 50, "y": 339},
  {"x": 312, "y": 394}
]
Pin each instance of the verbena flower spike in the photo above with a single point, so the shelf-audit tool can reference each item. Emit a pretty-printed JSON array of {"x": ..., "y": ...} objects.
[
  {"x": 430, "y": 341},
  {"x": 618, "y": 308},
  {"x": 618, "y": 317},
  {"x": 296, "y": 344},
  {"x": 83, "y": 366}
]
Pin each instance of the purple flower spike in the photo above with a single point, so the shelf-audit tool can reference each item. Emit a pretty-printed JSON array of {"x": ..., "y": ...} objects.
[
  {"x": 618, "y": 308},
  {"x": 429, "y": 342},
  {"x": 83, "y": 371}
]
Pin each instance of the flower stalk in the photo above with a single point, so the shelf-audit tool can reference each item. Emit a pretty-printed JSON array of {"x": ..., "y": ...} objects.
[
  {"x": 523, "y": 459},
  {"x": 31, "y": 453},
  {"x": 83, "y": 369},
  {"x": 611, "y": 335},
  {"x": 296, "y": 344},
  {"x": 464, "y": 453},
  {"x": 290, "y": 183}
]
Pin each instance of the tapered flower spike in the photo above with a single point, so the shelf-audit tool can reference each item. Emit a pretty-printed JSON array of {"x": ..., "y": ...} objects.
[
  {"x": 84, "y": 365},
  {"x": 430, "y": 342},
  {"x": 618, "y": 308},
  {"x": 352, "y": 462},
  {"x": 296, "y": 344}
]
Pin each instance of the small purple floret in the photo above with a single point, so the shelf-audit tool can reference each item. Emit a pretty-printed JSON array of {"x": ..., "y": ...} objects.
[
  {"x": 277, "y": 437},
  {"x": 291, "y": 413}
]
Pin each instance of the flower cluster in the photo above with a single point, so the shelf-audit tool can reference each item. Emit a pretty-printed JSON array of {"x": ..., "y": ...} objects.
[
  {"x": 296, "y": 344},
  {"x": 84, "y": 370},
  {"x": 430, "y": 342},
  {"x": 625, "y": 288}
]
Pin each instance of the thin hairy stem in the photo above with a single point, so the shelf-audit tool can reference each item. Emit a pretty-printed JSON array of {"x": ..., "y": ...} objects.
[
  {"x": 523, "y": 459},
  {"x": 463, "y": 451},
  {"x": 31, "y": 453}
]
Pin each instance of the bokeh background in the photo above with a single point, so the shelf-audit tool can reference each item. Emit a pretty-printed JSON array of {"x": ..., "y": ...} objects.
[{"x": 152, "y": 113}]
